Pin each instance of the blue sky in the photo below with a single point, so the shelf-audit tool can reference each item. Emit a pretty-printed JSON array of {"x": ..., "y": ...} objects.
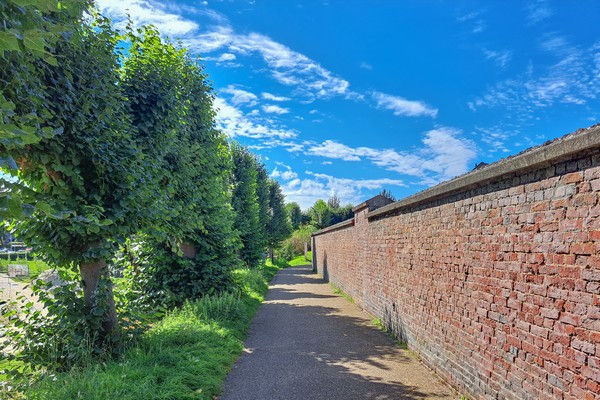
[{"x": 350, "y": 97}]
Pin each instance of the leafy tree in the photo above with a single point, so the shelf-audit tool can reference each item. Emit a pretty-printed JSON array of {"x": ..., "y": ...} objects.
[
  {"x": 341, "y": 214},
  {"x": 320, "y": 214},
  {"x": 280, "y": 227},
  {"x": 294, "y": 245},
  {"x": 305, "y": 217},
  {"x": 245, "y": 204},
  {"x": 295, "y": 214},
  {"x": 263, "y": 196},
  {"x": 29, "y": 34},
  {"x": 83, "y": 166},
  {"x": 333, "y": 202},
  {"x": 386, "y": 193},
  {"x": 189, "y": 166}
]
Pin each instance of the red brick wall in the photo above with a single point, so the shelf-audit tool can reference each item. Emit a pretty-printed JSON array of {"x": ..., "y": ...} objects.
[{"x": 497, "y": 287}]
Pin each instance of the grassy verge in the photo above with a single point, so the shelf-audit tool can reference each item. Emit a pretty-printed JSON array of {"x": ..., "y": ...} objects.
[
  {"x": 187, "y": 355},
  {"x": 294, "y": 262},
  {"x": 339, "y": 291},
  {"x": 36, "y": 267},
  {"x": 300, "y": 260}
]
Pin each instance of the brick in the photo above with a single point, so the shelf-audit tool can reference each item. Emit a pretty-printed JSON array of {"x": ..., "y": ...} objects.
[
  {"x": 498, "y": 287},
  {"x": 583, "y": 346}
]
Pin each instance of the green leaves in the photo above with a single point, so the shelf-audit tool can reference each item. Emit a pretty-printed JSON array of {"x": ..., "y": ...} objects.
[
  {"x": 8, "y": 41},
  {"x": 34, "y": 40}
]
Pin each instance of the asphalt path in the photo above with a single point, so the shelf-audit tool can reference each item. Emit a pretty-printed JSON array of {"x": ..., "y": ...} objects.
[{"x": 308, "y": 343}]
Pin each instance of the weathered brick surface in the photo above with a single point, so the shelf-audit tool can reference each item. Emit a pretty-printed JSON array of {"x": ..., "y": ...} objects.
[{"x": 497, "y": 288}]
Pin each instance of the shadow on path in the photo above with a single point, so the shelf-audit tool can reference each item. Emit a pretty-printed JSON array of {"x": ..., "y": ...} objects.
[{"x": 308, "y": 343}]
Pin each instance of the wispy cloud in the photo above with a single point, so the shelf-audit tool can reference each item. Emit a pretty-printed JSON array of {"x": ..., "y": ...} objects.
[
  {"x": 223, "y": 60},
  {"x": 287, "y": 174},
  {"x": 274, "y": 109},
  {"x": 403, "y": 107},
  {"x": 145, "y": 12},
  {"x": 235, "y": 123},
  {"x": 500, "y": 57},
  {"x": 538, "y": 11},
  {"x": 287, "y": 66},
  {"x": 308, "y": 78},
  {"x": 445, "y": 154},
  {"x": 272, "y": 97},
  {"x": 365, "y": 65},
  {"x": 331, "y": 149},
  {"x": 496, "y": 138},
  {"x": 574, "y": 79},
  {"x": 240, "y": 96},
  {"x": 473, "y": 20},
  {"x": 322, "y": 186}
]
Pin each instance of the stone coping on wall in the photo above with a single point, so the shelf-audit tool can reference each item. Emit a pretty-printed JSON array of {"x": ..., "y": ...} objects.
[
  {"x": 344, "y": 224},
  {"x": 561, "y": 148}
]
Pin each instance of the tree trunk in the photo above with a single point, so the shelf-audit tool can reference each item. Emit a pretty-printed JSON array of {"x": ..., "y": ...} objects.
[
  {"x": 272, "y": 255},
  {"x": 189, "y": 250},
  {"x": 91, "y": 273}
]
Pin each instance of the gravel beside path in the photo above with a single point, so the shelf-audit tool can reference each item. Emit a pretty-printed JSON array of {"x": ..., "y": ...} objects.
[{"x": 308, "y": 343}]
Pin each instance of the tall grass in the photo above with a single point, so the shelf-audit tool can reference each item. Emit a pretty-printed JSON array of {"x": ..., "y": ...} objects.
[{"x": 187, "y": 355}]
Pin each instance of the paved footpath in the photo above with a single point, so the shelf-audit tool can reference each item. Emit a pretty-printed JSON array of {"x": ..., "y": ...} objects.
[{"x": 308, "y": 343}]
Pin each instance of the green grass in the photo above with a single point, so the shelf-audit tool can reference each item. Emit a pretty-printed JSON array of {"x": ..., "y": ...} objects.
[
  {"x": 36, "y": 267},
  {"x": 339, "y": 291},
  {"x": 294, "y": 262},
  {"x": 187, "y": 355},
  {"x": 376, "y": 321},
  {"x": 300, "y": 260}
]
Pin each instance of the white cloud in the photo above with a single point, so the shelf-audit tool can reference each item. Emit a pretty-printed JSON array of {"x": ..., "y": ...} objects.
[
  {"x": 288, "y": 67},
  {"x": 321, "y": 186},
  {"x": 272, "y": 97},
  {"x": 501, "y": 57},
  {"x": 331, "y": 149},
  {"x": 445, "y": 154},
  {"x": 273, "y": 109},
  {"x": 538, "y": 11},
  {"x": 473, "y": 20},
  {"x": 449, "y": 155},
  {"x": 286, "y": 175},
  {"x": 146, "y": 12},
  {"x": 402, "y": 106},
  {"x": 234, "y": 123},
  {"x": 226, "y": 57},
  {"x": 574, "y": 79},
  {"x": 366, "y": 66},
  {"x": 496, "y": 138},
  {"x": 240, "y": 96}
]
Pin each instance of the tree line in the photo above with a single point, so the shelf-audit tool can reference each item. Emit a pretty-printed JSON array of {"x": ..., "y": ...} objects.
[{"x": 109, "y": 148}]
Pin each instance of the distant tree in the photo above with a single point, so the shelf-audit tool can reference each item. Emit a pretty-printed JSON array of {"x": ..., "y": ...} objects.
[
  {"x": 295, "y": 214},
  {"x": 341, "y": 214},
  {"x": 305, "y": 217},
  {"x": 333, "y": 202},
  {"x": 245, "y": 204},
  {"x": 386, "y": 193},
  {"x": 280, "y": 227},
  {"x": 320, "y": 214},
  {"x": 263, "y": 198}
]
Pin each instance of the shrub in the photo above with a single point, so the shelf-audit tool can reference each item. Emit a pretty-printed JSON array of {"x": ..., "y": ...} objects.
[{"x": 294, "y": 246}]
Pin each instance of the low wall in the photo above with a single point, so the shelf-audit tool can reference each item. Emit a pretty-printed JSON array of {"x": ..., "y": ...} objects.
[{"x": 493, "y": 278}]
